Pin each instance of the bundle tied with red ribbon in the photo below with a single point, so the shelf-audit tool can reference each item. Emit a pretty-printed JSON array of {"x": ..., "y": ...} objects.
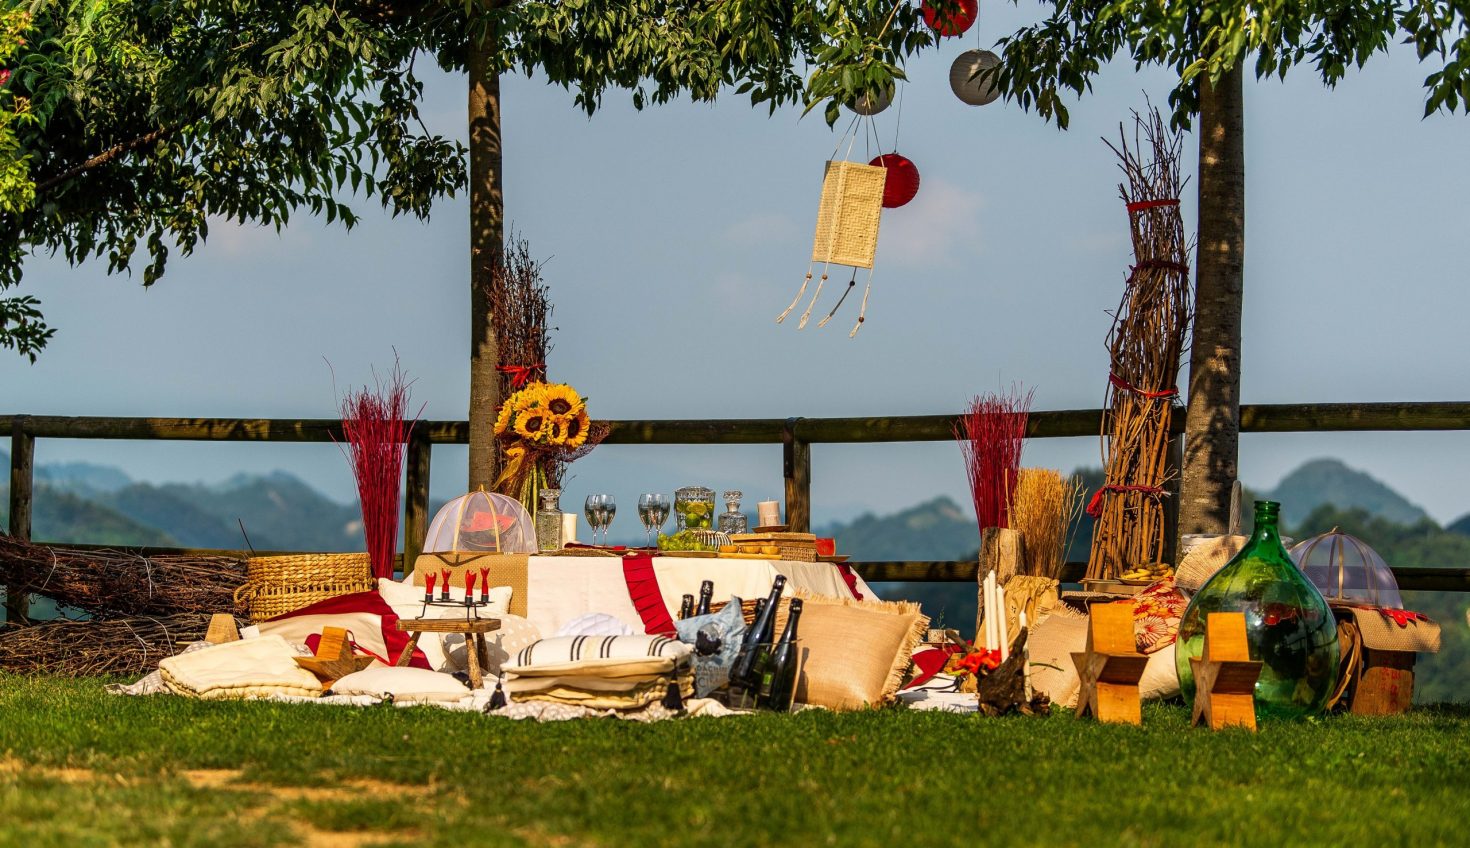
[{"x": 1145, "y": 344}]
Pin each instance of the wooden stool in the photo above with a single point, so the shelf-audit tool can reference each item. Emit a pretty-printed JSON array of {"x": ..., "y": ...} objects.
[
  {"x": 1111, "y": 667},
  {"x": 474, "y": 630},
  {"x": 1225, "y": 677}
]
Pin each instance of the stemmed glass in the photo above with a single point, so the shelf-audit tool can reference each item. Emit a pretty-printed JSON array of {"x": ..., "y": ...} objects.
[
  {"x": 653, "y": 510},
  {"x": 600, "y": 510}
]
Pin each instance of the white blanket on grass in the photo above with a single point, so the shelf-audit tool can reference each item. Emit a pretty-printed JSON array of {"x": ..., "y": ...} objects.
[{"x": 249, "y": 668}]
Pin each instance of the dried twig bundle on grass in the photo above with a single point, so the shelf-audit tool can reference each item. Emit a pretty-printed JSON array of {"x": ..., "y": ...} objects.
[
  {"x": 96, "y": 648},
  {"x": 1043, "y": 512},
  {"x": 1146, "y": 342},
  {"x": 108, "y": 583}
]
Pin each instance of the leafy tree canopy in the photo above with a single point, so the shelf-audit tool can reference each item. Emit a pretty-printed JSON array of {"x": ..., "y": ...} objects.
[
  {"x": 1067, "y": 49},
  {"x": 141, "y": 121}
]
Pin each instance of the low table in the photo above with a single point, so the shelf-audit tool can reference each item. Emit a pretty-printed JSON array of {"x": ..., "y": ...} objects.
[{"x": 474, "y": 630}]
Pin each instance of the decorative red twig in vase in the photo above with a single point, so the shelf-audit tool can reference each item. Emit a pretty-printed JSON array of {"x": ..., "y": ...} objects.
[
  {"x": 991, "y": 433},
  {"x": 374, "y": 422}
]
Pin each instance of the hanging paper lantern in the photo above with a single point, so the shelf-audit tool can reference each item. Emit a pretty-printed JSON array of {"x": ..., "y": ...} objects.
[
  {"x": 962, "y": 77},
  {"x": 955, "y": 18},
  {"x": 902, "y": 181},
  {"x": 872, "y": 103}
]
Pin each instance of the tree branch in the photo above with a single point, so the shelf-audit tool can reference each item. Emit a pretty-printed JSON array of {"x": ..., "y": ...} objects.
[{"x": 106, "y": 156}]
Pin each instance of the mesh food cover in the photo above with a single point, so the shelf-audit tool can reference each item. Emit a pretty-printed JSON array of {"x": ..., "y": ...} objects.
[
  {"x": 1344, "y": 568},
  {"x": 482, "y": 522}
]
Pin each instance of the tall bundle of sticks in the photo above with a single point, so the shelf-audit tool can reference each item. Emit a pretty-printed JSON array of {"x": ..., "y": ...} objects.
[
  {"x": 94, "y": 648},
  {"x": 520, "y": 305},
  {"x": 1044, "y": 512},
  {"x": 373, "y": 420},
  {"x": 109, "y": 584},
  {"x": 1146, "y": 342},
  {"x": 991, "y": 434}
]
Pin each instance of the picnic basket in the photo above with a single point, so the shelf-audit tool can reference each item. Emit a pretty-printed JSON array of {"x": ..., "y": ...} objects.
[{"x": 276, "y": 585}]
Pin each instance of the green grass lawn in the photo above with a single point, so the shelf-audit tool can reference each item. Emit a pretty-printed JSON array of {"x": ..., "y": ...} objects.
[{"x": 79, "y": 767}]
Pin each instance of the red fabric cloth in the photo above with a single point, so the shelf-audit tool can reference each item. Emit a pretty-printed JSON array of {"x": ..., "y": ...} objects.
[
  {"x": 850, "y": 578},
  {"x": 647, "y": 598},
  {"x": 369, "y": 603}
]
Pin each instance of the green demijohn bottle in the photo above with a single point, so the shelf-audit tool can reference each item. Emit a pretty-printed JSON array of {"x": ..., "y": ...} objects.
[{"x": 1288, "y": 624}]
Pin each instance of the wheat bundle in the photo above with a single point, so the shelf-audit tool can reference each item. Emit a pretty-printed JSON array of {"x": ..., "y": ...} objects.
[
  {"x": 123, "y": 646},
  {"x": 1043, "y": 512},
  {"x": 110, "y": 583},
  {"x": 1146, "y": 343}
]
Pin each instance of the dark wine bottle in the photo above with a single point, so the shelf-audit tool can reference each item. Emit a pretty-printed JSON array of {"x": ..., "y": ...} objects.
[
  {"x": 686, "y": 609},
  {"x": 746, "y": 671},
  {"x": 778, "y": 683},
  {"x": 706, "y": 593}
]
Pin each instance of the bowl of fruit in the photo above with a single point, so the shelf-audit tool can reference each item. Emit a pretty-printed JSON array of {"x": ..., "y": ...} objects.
[
  {"x": 1143, "y": 575},
  {"x": 694, "y": 508}
]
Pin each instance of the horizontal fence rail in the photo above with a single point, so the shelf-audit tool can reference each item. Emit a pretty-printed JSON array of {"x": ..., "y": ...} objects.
[{"x": 795, "y": 435}]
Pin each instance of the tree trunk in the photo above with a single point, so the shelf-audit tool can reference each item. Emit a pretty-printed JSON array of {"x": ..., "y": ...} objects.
[
  {"x": 1212, "y": 429},
  {"x": 487, "y": 228}
]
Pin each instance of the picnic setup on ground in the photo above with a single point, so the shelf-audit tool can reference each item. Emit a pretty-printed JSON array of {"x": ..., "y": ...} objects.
[{"x": 505, "y": 609}]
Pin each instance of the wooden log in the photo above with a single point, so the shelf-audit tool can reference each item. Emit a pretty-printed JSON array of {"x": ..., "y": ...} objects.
[
  {"x": 22, "y": 477},
  {"x": 416, "y": 495},
  {"x": 797, "y": 461},
  {"x": 1385, "y": 684}
]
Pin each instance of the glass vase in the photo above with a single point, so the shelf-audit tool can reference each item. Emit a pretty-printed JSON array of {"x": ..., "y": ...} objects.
[
  {"x": 548, "y": 521},
  {"x": 1289, "y": 627},
  {"x": 732, "y": 520}
]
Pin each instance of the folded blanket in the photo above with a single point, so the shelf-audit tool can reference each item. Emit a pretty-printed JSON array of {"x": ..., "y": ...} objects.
[{"x": 250, "y": 668}]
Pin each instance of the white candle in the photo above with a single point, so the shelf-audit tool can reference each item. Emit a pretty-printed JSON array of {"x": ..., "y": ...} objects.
[
  {"x": 983, "y": 637},
  {"x": 768, "y": 513},
  {"x": 1000, "y": 621},
  {"x": 990, "y": 631},
  {"x": 568, "y": 528}
]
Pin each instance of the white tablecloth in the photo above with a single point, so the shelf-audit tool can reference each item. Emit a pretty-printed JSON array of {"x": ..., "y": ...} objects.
[{"x": 563, "y": 588}]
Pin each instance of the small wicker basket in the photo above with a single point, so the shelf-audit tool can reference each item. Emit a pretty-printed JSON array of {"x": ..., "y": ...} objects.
[{"x": 276, "y": 585}]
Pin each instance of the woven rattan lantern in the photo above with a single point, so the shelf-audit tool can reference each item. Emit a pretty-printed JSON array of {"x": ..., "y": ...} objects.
[
  {"x": 1345, "y": 570},
  {"x": 482, "y": 522},
  {"x": 949, "y": 18},
  {"x": 902, "y": 181},
  {"x": 847, "y": 234},
  {"x": 962, "y": 77}
]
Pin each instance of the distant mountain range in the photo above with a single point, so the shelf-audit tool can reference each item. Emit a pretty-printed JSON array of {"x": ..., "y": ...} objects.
[{"x": 85, "y": 502}]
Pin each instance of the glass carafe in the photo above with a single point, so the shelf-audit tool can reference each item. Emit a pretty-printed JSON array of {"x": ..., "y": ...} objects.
[
  {"x": 548, "y": 521},
  {"x": 1289, "y": 627},
  {"x": 732, "y": 520}
]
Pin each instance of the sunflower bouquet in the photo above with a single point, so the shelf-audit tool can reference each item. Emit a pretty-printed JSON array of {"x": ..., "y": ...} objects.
[{"x": 543, "y": 426}]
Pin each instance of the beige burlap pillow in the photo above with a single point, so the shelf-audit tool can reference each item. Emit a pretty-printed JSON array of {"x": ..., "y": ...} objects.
[
  {"x": 853, "y": 653},
  {"x": 1204, "y": 558},
  {"x": 1052, "y": 642}
]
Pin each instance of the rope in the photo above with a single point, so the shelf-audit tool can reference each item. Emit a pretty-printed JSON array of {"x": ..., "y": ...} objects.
[
  {"x": 1119, "y": 382},
  {"x": 1150, "y": 264},
  {"x": 1095, "y": 506},
  {"x": 1142, "y": 205}
]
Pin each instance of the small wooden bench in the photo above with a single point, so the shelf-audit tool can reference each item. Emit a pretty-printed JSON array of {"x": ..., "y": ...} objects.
[{"x": 474, "y": 630}]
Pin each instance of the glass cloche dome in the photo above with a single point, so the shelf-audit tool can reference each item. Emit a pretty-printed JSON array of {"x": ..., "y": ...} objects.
[
  {"x": 1344, "y": 568},
  {"x": 482, "y": 522}
]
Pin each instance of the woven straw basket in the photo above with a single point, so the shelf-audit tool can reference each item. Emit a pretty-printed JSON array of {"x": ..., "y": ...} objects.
[
  {"x": 276, "y": 585},
  {"x": 847, "y": 219}
]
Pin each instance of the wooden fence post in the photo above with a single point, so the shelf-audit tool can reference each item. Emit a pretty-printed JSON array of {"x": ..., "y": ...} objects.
[
  {"x": 796, "y": 456},
  {"x": 22, "y": 463},
  {"x": 416, "y": 496},
  {"x": 1174, "y": 467}
]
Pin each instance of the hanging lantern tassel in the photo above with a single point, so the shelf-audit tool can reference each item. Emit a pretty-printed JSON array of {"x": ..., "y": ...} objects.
[
  {"x": 902, "y": 182},
  {"x": 962, "y": 77},
  {"x": 950, "y": 17},
  {"x": 846, "y": 234}
]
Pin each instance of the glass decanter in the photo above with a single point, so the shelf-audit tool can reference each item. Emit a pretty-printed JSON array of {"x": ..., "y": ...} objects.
[
  {"x": 1289, "y": 627},
  {"x": 548, "y": 521},
  {"x": 732, "y": 520}
]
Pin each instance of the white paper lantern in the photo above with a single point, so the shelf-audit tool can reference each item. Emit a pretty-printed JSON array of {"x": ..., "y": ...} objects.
[
  {"x": 872, "y": 104},
  {"x": 962, "y": 77}
]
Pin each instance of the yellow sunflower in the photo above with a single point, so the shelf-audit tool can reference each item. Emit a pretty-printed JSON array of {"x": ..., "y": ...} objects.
[
  {"x": 575, "y": 429},
  {"x": 562, "y": 400},
  {"x": 531, "y": 424},
  {"x": 503, "y": 420}
]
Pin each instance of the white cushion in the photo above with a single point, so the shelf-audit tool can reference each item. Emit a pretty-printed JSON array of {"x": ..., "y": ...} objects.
[
  {"x": 594, "y": 655},
  {"x": 595, "y": 624},
  {"x": 405, "y": 685},
  {"x": 514, "y": 634},
  {"x": 444, "y": 651}
]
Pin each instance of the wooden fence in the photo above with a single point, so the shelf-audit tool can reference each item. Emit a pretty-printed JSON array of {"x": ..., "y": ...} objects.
[{"x": 795, "y": 435}]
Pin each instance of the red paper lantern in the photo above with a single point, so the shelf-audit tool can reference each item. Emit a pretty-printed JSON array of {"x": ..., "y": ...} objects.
[
  {"x": 902, "y": 181},
  {"x": 956, "y": 19}
]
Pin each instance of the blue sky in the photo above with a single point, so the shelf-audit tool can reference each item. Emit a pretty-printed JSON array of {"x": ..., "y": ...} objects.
[{"x": 674, "y": 236}]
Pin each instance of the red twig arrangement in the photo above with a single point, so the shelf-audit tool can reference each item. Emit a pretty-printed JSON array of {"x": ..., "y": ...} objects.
[
  {"x": 374, "y": 422},
  {"x": 991, "y": 433}
]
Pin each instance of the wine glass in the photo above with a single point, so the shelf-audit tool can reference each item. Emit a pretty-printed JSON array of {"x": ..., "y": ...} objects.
[
  {"x": 653, "y": 511},
  {"x": 593, "y": 510},
  {"x": 609, "y": 510}
]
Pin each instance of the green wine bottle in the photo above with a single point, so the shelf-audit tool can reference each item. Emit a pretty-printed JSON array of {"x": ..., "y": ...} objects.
[
  {"x": 1289, "y": 627},
  {"x": 779, "y": 683},
  {"x": 757, "y": 643},
  {"x": 706, "y": 594}
]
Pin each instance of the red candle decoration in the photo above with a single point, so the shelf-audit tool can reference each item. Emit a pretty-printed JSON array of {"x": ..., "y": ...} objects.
[
  {"x": 429, "y": 580},
  {"x": 902, "y": 182},
  {"x": 950, "y": 17},
  {"x": 444, "y": 585},
  {"x": 485, "y": 585},
  {"x": 469, "y": 585}
]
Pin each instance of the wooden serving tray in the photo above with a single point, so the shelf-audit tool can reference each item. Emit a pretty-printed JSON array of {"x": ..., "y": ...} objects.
[{"x": 737, "y": 538}]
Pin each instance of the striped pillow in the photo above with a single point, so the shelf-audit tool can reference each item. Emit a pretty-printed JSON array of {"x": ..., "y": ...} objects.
[{"x": 618, "y": 655}]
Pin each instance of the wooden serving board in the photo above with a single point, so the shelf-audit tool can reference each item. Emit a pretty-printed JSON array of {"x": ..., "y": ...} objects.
[
  {"x": 737, "y": 538},
  {"x": 772, "y": 557}
]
